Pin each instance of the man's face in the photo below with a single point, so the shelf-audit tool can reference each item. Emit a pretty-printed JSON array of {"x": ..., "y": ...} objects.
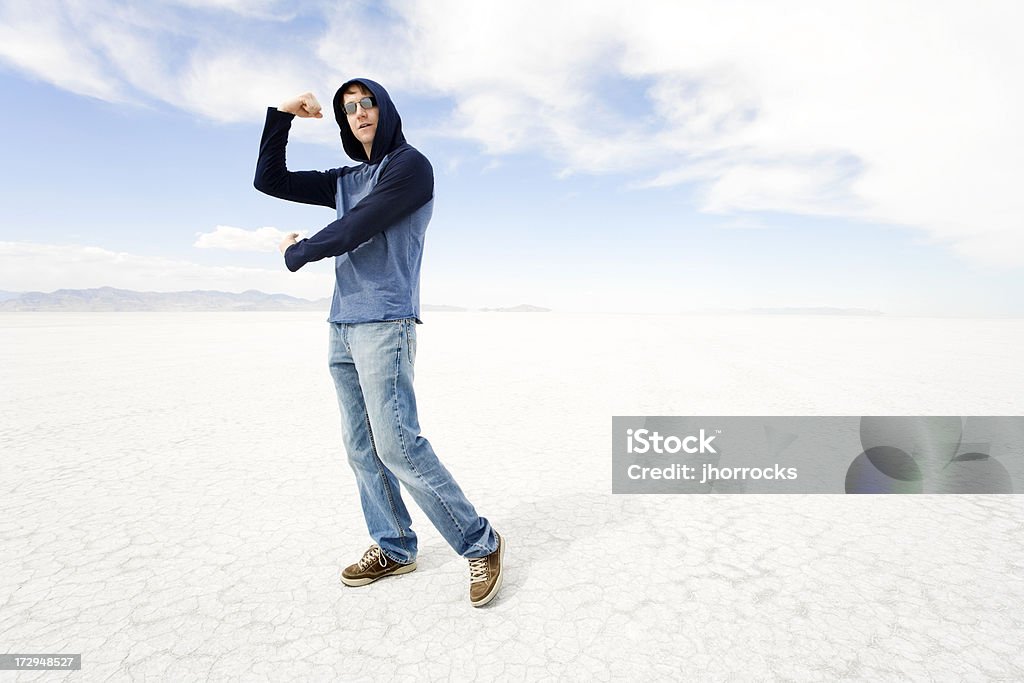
[{"x": 364, "y": 122}]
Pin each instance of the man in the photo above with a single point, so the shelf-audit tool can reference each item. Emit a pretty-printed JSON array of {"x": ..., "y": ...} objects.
[{"x": 383, "y": 207}]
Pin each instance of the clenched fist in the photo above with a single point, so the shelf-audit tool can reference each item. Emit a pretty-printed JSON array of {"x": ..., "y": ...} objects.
[
  {"x": 288, "y": 241},
  {"x": 304, "y": 106}
]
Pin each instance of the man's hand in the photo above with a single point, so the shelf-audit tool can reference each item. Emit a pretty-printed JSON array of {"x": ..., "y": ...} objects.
[
  {"x": 288, "y": 241},
  {"x": 304, "y": 106}
]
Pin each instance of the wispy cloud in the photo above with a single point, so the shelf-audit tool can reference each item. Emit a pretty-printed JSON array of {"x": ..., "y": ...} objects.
[
  {"x": 43, "y": 40},
  {"x": 239, "y": 239},
  {"x": 871, "y": 111},
  {"x": 47, "y": 267},
  {"x": 877, "y": 112},
  {"x": 272, "y": 10}
]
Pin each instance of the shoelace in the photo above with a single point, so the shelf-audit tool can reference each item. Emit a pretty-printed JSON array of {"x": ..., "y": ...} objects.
[
  {"x": 477, "y": 569},
  {"x": 371, "y": 555}
]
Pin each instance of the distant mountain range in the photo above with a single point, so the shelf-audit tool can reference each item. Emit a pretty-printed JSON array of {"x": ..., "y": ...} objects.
[{"x": 112, "y": 299}]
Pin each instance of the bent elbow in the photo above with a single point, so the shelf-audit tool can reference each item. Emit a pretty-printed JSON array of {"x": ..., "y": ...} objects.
[{"x": 266, "y": 182}]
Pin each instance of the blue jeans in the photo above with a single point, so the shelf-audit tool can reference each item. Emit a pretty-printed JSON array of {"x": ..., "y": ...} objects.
[{"x": 372, "y": 366}]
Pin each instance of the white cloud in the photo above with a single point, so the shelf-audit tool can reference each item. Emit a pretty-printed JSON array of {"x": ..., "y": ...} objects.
[
  {"x": 888, "y": 112},
  {"x": 239, "y": 239},
  {"x": 872, "y": 111},
  {"x": 230, "y": 86},
  {"x": 44, "y": 40},
  {"x": 29, "y": 266}
]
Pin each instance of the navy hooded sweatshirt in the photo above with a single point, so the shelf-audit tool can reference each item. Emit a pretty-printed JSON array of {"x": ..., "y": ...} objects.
[{"x": 383, "y": 206}]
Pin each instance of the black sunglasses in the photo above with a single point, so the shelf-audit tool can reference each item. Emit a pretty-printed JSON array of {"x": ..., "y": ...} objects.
[{"x": 365, "y": 103}]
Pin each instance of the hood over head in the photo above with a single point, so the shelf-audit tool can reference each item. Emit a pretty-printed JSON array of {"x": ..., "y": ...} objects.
[{"x": 389, "y": 124}]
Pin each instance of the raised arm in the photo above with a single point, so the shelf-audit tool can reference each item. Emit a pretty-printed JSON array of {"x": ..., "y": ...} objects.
[
  {"x": 406, "y": 184},
  {"x": 272, "y": 174}
]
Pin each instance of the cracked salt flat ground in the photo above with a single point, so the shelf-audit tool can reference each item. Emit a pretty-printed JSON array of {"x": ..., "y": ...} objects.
[{"x": 176, "y": 504}]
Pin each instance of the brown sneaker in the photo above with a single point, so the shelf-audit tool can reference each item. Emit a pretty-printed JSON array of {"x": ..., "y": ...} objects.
[
  {"x": 485, "y": 575},
  {"x": 372, "y": 566}
]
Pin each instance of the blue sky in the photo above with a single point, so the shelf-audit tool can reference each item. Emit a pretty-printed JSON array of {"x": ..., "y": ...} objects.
[{"x": 669, "y": 158}]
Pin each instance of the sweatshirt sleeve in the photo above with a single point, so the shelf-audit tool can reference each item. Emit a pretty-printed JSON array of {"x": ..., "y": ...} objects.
[
  {"x": 406, "y": 184},
  {"x": 273, "y": 176}
]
